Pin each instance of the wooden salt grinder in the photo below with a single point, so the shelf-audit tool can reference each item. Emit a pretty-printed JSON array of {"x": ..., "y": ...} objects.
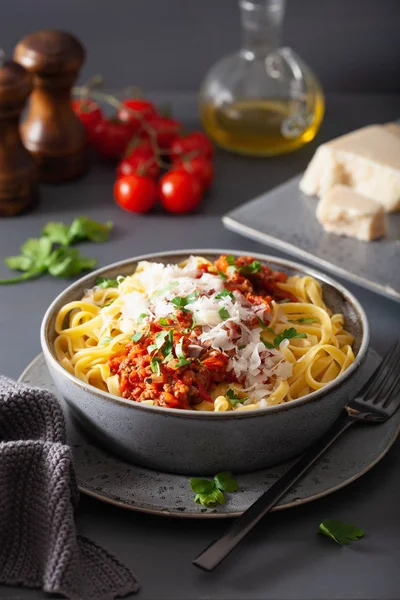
[
  {"x": 18, "y": 175},
  {"x": 52, "y": 132}
]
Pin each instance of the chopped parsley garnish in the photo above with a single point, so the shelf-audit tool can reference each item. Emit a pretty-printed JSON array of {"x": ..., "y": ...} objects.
[
  {"x": 225, "y": 294},
  {"x": 211, "y": 492},
  {"x": 264, "y": 326},
  {"x": 253, "y": 267},
  {"x": 141, "y": 317},
  {"x": 230, "y": 259},
  {"x": 234, "y": 398},
  {"x": 241, "y": 347},
  {"x": 287, "y": 334},
  {"x": 160, "y": 338},
  {"x": 182, "y": 360},
  {"x": 223, "y": 313},
  {"x": 305, "y": 320},
  {"x": 155, "y": 365},
  {"x": 168, "y": 344},
  {"x": 106, "y": 340},
  {"x": 340, "y": 532},
  {"x": 137, "y": 337},
  {"x": 222, "y": 275},
  {"x": 103, "y": 282},
  {"x": 151, "y": 348},
  {"x": 182, "y": 301},
  {"x": 167, "y": 288}
]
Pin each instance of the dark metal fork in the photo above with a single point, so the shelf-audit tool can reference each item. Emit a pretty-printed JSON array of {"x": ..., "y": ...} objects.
[{"x": 375, "y": 403}]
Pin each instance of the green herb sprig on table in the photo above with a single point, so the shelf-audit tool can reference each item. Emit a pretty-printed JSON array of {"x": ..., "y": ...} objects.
[
  {"x": 342, "y": 533},
  {"x": 211, "y": 492},
  {"x": 51, "y": 253}
]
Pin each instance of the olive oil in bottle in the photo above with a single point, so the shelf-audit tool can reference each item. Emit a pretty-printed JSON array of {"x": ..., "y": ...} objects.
[{"x": 263, "y": 100}]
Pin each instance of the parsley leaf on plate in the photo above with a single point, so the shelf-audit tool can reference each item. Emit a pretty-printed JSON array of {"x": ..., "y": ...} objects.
[
  {"x": 340, "y": 532},
  {"x": 155, "y": 365},
  {"x": 182, "y": 360},
  {"x": 182, "y": 301},
  {"x": 230, "y": 259},
  {"x": 210, "y": 492},
  {"x": 222, "y": 275}
]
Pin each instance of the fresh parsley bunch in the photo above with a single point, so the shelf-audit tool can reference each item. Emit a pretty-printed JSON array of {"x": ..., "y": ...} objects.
[{"x": 51, "y": 253}]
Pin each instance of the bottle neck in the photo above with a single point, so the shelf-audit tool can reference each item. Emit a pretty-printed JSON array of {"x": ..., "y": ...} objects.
[{"x": 261, "y": 26}]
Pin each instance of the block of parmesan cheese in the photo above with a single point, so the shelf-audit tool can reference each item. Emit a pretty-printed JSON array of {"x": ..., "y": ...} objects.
[
  {"x": 345, "y": 212},
  {"x": 392, "y": 127},
  {"x": 367, "y": 160}
]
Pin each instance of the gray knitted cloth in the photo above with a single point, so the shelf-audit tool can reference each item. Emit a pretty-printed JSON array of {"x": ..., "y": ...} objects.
[{"x": 39, "y": 546}]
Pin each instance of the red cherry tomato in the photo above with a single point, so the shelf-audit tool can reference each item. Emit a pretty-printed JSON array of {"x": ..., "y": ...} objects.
[
  {"x": 194, "y": 142},
  {"x": 88, "y": 112},
  {"x": 165, "y": 129},
  {"x": 141, "y": 160},
  {"x": 135, "y": 193},
  {"x": 134, "y": 111},
  {"x": 199, "y": 166},
  {"x": 110, "y": 138},
  {"x": 180, "y": 191}
]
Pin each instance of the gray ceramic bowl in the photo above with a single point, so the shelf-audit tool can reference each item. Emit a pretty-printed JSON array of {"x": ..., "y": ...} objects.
[{"x": 193, "y": 442}]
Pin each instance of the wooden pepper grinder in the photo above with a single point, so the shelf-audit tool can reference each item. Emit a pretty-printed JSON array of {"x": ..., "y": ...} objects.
[
  {"x": 18, "y": 175},
  {"x": 52, "y": 132}
]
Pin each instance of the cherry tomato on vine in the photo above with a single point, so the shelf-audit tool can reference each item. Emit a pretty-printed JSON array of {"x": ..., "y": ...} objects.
[
  {"x": 110, "y": 138},
  {"x": 199, "y": 166},
  {"x": 165, "y": 130},
  {"x": 140, "y": 160},
  {"x": 134, "y": 111},
  {"x": 194, "y": 142},
  {"x": 135, "y": 193},
  {"x": 180, "y": 191},
  {"x": 88, "y": 112}
]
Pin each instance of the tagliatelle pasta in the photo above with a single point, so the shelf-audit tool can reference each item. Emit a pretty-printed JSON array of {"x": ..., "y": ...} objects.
[{"x": 230, "y": 335}]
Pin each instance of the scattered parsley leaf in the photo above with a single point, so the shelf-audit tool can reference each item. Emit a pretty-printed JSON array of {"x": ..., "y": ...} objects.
[
  {"x": 234, "y": 398},
  {"x": 106, "y": 340},
  {"x": 182, "y": 301},
  {"x": 103, "y": 282},
  {"x": 141, "y": 317},
  {"x": 223, "y": 313},
  {"x": 210, "y": 492},
  {"x": 222, "y": 275},
  {"x": 57, "y": 233},
  {"x": 82, "y": 229},
  {"x": 151, "y": 348},
  {"x": 155, "y": 365},
  {"x": 287, "y": 334},
  {"x": 225, "y": 482},
  {"x": 230, "y": 259},
  {"x": 182, "y": 360},
  {"x": 160, "y": 339},
  {"x": 137, "y": 337},
  {"x": 340, "y": 532},
  {"x": 241, "y": 347},
  {"x": 306, "y": 321},
  {"x": 267, "y": 345},
  {"x": 225, "y": 293},
  {"x": 168, "y": 344},
  {"x": 264, "y": 326},
  {"x": 253, "y": 267}
]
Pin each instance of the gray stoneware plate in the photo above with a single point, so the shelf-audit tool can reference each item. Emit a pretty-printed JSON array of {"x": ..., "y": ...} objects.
[
  {"x": 284, "y": 218},
  {"x": 115, "y": 481}
]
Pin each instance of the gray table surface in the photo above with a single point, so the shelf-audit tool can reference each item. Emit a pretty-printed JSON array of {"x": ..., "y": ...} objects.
[{"x": 284, "y": 558}]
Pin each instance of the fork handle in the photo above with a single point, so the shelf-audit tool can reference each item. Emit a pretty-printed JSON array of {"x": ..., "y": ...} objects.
[{"x": 219, "y": 549}]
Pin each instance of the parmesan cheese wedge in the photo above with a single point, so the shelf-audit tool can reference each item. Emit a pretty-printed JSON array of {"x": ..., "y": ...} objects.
[
  {"x": 367, "y": 160},
  {"x": 345, "y": 212}
]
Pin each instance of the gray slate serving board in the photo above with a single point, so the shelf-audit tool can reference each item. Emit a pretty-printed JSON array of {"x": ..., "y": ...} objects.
[{"x": 285, "y": 218}]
